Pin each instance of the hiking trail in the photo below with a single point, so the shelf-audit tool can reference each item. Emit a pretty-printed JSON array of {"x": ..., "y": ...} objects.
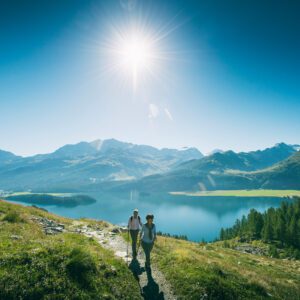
[{"x": 153, "y": 284}]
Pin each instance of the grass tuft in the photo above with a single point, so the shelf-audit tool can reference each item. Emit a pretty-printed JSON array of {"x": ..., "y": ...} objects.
[
  {"x": 13, "y": 217},
  {"x": 81, "y": 267}
]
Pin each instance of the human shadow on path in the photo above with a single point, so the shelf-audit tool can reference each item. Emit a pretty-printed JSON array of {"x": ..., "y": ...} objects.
[
  {"x": 136, "y": 269},
  {"x": 151, "y": 290}
]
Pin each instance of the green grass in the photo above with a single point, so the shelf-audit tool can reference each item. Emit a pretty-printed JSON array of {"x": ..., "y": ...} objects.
[
  {"x": 72, "y": 266},
  {"x": 64, "y": 266},
  {"x": 195, "y": 270},
  {"x": 242, "y": 193}
]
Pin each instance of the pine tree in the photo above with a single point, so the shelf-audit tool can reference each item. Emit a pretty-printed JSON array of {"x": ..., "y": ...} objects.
[
  {"x": 267, "y": 230},
  {"x": 222, "y": 234},
  {"x": 292, "y": 234},
  {"x": 280, "y": 224},
  {"x": 255, "y": 224},
  {"x": 280, "y": 229}
]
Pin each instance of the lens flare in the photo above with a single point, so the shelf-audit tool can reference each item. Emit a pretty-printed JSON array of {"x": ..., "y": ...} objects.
[
  {"x": 137, "y": 48},
  {"x": 136, "y": 54}
]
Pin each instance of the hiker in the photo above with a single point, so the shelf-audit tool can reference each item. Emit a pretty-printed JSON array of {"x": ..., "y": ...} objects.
[
  {"x": 148, "y": 237},
  {"x": 134, "y": 224}
]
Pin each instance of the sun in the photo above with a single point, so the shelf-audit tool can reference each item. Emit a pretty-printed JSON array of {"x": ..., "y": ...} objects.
[{"x": 136, "y": 54}]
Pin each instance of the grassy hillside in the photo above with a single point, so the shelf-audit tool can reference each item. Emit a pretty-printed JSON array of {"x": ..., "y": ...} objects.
[
  {"x": 68, "y": 265},
  {"x": 210, "y": 271},
  {"x": 34, "y": 265},
  {"x": 285, "y": 174}
]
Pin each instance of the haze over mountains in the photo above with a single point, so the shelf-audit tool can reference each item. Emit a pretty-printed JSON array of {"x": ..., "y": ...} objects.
[
  {"x": 113, "y": 165},
  {"x": 275, "y": 168},
  {"x": 80, "y": 165}
]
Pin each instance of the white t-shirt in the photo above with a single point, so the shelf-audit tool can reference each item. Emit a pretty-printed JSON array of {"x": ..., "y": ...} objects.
[{"x": 134, "y": 223}]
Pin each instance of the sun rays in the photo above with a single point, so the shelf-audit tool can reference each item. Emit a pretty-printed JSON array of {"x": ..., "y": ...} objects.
[{"x": 135, "y": 51}]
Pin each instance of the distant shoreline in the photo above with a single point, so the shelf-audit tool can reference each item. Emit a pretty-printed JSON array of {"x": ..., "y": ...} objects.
[
  {"x": 66, "y": 200},
  {"x": 241, "y": 193}
]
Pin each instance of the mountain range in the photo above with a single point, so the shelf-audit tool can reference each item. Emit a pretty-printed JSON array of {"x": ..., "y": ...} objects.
[
  {"x": 112, "y": 165},
  {"x": 74, "y": 166},
  {"x": 277, "y": 167}
]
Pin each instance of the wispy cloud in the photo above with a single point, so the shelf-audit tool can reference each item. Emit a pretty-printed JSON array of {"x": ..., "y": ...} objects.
[
  {"x": 153, "y": 111},
  {"x": 169, "y": 115}
]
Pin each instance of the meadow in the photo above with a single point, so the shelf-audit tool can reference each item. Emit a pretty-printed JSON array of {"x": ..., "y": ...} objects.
[{"x": 242, "y": 193}]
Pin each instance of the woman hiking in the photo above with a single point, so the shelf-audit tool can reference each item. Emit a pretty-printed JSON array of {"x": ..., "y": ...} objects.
[{"x": 148, "y": 237}]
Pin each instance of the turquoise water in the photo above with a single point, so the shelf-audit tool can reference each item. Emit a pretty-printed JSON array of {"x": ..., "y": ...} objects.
[{"x": 196, "y": 217}]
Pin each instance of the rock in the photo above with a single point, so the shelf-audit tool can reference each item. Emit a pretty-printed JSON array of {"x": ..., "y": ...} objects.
[
  {"x": 15, "y": 237},
  {"x": 49, "y": 231},
  {"x": 116, "y": 230},
  {"x": 58, "y": 229},
  {"x": 250, "y": 249},
  {"x": 123, "y": 229},
  {"x": 49, "y": 226},
  {"x": 121, "y": 254},
  {"x": 111, "y": 272}
]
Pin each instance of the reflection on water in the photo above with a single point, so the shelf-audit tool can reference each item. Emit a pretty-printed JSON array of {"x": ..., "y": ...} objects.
[{"x": 196, "y": 217}]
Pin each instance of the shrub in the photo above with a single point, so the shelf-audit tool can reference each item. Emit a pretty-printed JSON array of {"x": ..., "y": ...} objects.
[
  {"x": 81, "y": 266},
  {"x": 273, "y": 251},
  {"x": 226, "y": 244},
  {"x": 13, "y": 217}
]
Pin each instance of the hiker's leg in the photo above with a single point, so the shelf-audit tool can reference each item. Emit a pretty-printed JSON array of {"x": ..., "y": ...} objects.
[
  {"x": 150, "y": 246},
  {"x": 134, "y": 252},
  {"x": 147, "y": 252},
  {"x": 132, "y": 239},
  {"x": 134, "y": 234}
]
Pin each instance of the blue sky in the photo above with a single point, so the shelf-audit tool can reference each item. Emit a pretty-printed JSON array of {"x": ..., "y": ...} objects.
[{"x": 225, "y": 74}]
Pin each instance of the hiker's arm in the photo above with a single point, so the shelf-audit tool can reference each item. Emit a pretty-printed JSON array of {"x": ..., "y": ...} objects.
[
  {"x": 128, "y": 226},
  {"x": 154, "y": 233},
  {"x": 142, "y": 232}
]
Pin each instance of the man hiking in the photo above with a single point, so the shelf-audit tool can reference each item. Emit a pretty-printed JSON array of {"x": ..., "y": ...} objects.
[
  {"x": 134, "y": 224},
  {"x": 148, "y": 237}
]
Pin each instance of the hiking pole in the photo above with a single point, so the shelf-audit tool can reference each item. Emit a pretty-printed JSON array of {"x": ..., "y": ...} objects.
[
  {"x": 138, "y": 248},
  {"x": 127, "y": 246}
]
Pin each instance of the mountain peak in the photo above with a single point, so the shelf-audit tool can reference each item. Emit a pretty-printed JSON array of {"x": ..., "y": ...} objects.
[
  {"x": 74, "y": 150},
  {"x": 6, "y": 156},
  {"x": 97, "y": 144},
  {"x": 282, "y": 145}
]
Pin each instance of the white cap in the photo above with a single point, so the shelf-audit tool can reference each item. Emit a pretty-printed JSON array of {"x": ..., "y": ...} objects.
[{"x": 135, "y": 210}]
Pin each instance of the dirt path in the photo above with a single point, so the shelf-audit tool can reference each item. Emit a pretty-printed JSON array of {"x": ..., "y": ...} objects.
[{"x": 153, "y": 284}]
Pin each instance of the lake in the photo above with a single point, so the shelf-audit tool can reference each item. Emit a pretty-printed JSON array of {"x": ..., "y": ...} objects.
[{"x": 196, "y": 217}]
